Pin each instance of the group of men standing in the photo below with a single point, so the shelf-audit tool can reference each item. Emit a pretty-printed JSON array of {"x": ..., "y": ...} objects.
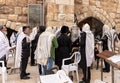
[{"x": 46, "y": 47}]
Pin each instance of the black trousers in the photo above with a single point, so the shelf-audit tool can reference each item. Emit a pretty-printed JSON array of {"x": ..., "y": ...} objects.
[
  {"x": 23, "y": 66},
  {"x": 3, "y": 59},
  {"x": 32, "y": 56},
  {"x": 107, "y": 66},
  {"x": 86, "y": 74}
]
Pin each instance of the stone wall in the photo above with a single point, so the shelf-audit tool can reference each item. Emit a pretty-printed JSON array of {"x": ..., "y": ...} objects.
[
  {"x": 59, "y": 12},
  {"x": 14, "y": 13},
  {"x": 107, "y": 11}
]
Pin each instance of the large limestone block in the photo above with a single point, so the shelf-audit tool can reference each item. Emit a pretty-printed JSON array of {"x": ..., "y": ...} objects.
[
  {"x": 69, "y": 9},
  {"x": 22, "y": 19},
  {"x": 85, "y": 2},
  {"x": 13, "y": 17},
  {"x": 70, "y": 17},
  {"x": 61, "y": 17},
  {"x": 2, "y": 2},
  {"x": 50, "y": 16},
  {"x": 31, "y": 1},
  {"x": 22, "y": 2},
  {"x": 54, "y": 23},
  {"x": 52, "y": 8},
  {"x": 18, "y": 10},
  {"x": 65, "y": 2},
  {"x": 6, "y": 10},
  {"x": 11, "y": 2},
  {"x": 3, "y": 16},
  {"x": 3, "y": 21},
  {"x": 25, "y": 10}
]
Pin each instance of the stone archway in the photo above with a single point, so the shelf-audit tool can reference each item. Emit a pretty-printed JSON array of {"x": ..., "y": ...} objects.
[{"x": 95, "y": 25}]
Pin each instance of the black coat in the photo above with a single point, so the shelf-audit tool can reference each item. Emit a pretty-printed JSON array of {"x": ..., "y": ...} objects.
[
  {"x": 25, "y": 49},
  {"x": 63, "y": 50},
  {"x": 83, "y": 63}
]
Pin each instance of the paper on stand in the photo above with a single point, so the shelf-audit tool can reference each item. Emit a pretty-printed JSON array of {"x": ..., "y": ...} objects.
[{"x": 115, "y": 58}]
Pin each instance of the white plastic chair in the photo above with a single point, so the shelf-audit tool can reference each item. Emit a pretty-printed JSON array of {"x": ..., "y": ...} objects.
[
  {"x": 3, "y": 72},
  {"x": 72, "y": 66}
]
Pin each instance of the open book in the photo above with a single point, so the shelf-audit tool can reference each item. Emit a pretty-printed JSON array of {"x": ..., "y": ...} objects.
[{"x": 115, "y": 58}]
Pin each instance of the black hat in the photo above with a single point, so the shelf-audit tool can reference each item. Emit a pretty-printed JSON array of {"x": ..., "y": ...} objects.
[{"x": 64, "y": 29}]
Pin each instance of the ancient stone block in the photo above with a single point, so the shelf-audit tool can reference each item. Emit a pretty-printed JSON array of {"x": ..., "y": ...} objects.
[
  {"x": 52, "y": 8},
  {"x": 22, "y": 3},
  {"x": 25, "y": 10},
  {"x": 6, "y": 10},
  {"x": 85, "y": 2},
  {"x": 49, "y": 16},
  {"x": 11, "y": 2},
  {"x": 2, "y": 2},
  {"x": 22, "y": 19},
  {"x": 69, "y": 9},
  {"x": 70, "y": 17},
  {"x": 3, "y": 16},
  {"x": 18, "y": 10},
  {"x": 65, "y": 2},
  {"x": 13, "y": 17},
  {"x": 61, "y": 17},
  {"x": 31, "y": 1},
  {"x": 3, "y": 21}
]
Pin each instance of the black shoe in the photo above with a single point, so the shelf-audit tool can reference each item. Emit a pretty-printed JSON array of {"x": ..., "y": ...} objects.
[
  {"x": 27, "y": 74},
  {"x": 33, "y": 64},
  {"x": 107, "y": 71},
  {"x": 25, "y": 77}
]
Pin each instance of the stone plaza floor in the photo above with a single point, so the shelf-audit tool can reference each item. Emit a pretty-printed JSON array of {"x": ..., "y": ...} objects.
[{"x": 14, "y": 77}]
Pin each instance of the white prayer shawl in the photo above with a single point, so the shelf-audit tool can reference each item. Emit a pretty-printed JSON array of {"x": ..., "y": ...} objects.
[
  {"x": 111, "y": 34},
  {"x": 44, "y": 46},
  {"x": 4, "y": 45},
  {"x": 89, "y": 44},
  {"x": 33, "y": 33},
  {"x": 19, "y": 49}
]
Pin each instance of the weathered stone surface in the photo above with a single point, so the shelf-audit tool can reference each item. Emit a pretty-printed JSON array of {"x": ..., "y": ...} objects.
[
  {"x": 11, "y": 2},
  {"x": 23, "y": 3},
  {"x": 18, "y": 10},
  {"x": 49, "y": 16},
  {"x": 12, "y": 17},
  {"x": 62, "y": 17},
  {"x": 85, "y": 2},
  {"x": 6, "y": 10},
  {"x": 31, "y": 1},
  {"x": 2, "y": 2},
  {"x": 69, "y": 9},
  {"x": 52, "y": 8},
  {"x": 70, "y": 18},
  {"x": 25, "y": 10},
  {"x": 3, "y": 21},
  {"x": 3, "y": 16},
  {"x": 65, "y": 2},
  {"x": 22, "y": 19}
]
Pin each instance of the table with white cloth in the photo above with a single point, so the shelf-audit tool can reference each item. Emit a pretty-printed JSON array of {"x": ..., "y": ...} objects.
[{"x": 54, "y": 78}]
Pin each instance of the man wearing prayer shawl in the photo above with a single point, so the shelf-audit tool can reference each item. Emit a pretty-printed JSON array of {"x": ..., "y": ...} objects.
[
  {"x": 45, "y": 51},
  {"x": 108, "y": 39},
  {"x": 23, "y": 52},
  {"x": 4, "y": 44},
  {"x": 87, "y": 52}
]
